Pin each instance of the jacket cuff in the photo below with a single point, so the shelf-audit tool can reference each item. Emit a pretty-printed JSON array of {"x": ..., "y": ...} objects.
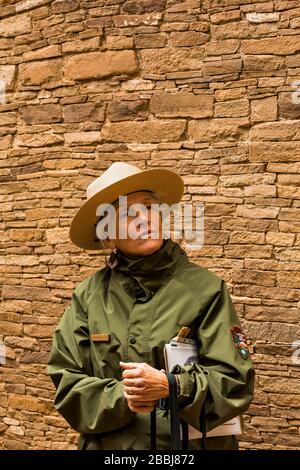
[{"x": 186, "y": 385}]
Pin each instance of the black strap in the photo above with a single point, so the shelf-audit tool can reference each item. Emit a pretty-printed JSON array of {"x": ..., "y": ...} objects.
[
  {"x": 203, "y": 428},
  {"x": 170, "y": 404},
  {"x": 153, "y": 429},
  {"x": 185, "y": 434},
  {"x": 174, "y": 413}
]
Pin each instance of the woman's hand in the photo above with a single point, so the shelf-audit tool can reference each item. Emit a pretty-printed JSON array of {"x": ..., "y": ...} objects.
[{"x": 143, "y": 386}]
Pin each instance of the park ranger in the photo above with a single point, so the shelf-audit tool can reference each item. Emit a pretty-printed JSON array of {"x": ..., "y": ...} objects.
[{"x": 107, "y": 361}]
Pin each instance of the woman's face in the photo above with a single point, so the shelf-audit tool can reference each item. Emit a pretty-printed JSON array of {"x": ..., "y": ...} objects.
[{"x": 139, "y": 222}]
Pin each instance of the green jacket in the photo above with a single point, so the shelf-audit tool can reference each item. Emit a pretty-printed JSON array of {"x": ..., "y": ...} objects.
[{"x": 141, "y": 304}]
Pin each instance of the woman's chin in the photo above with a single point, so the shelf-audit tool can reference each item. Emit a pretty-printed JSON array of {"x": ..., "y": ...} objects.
[{"x": 147, "y": 246}]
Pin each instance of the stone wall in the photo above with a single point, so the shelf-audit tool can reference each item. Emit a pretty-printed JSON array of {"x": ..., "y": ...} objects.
[{"x": 207, "y": 88}]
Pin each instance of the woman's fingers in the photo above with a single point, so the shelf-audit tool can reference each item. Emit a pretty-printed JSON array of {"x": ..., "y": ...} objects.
[
  {"x": 131, "y": 373},
  {"x": 145, "y": 409},
  {"x": 130, "y": 395},
  {"x": 134, "y": 382},
  {"x": 141, "y": 407},
  {"x": 128, "y": 365}
]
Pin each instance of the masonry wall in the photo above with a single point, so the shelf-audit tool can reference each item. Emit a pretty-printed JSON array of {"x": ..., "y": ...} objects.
[{"x": 207, "y": 88}]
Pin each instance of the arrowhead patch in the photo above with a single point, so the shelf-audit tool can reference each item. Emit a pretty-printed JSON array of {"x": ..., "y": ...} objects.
[{"x": 240, "y": 341}]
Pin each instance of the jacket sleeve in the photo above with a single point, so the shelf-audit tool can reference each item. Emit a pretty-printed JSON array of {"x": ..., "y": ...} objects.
[
  {"x": 89, "y": 404},
  {"x": 223, "y": 381}
]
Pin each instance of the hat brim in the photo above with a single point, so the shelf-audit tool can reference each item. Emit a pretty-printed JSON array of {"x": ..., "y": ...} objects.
[{"x": 167, "y": 184}]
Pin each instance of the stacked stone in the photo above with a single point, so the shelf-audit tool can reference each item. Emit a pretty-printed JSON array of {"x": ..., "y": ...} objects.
[{"x": 208, "y": 88}]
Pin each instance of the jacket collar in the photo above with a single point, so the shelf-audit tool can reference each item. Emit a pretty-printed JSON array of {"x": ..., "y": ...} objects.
[{"x": 149, "y": 272}]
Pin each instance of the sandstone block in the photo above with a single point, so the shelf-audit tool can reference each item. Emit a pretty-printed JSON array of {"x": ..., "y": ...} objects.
[
  {"x": 266, "y": 190},
  {"x": 234, "y": 29},
  {"x": 219, "y": 209},
  {"x": 64, "y": 6},
  {"x": 289, "y": 179},
  {"x": 288, "y": 279},
  {"x": 262, "y": 17},
  {"x": 247, "y": 276},
  {"x": 253, "y": 212},
  {"x": 125, "y": 110},
  {"x": 6, "y": 119},
  {"x": 85, "y": 45},
  {"x": 57, "y": 235},
  {"x": 137, "y": 84},
  {"x": 225, "y": 16},
  {"x": 23, "y": 343},
  {"x": 247, "y": 237},
  {"x": 247, "y": 251},
  {"x": 188, "y": 38},
  {"x": 37, "y": 140},
  {"x": 43, "y": 184},
  {"x": 208, "y": 130},
  {"x": 30, "y": 4},
  {"x": 150, "y": 41},
  {"x": 15, "y": 25},
  {"x": 289, "y": 107},
  {"x": 247, "y": 179},
  {"x": 169, "y": 59},
  {"x": 281, "y": 45},
  {"x": 39, "y": 331},
  {"x": 82, "y": 138},
  {"x": 289, "y": 192},
  {"x": 29, "y": 403},
  {"x": 143, "y": 6},
  {"x": 264, "y": 109},
  {"x": 265, "y": 313},
  {"x": 39, "y": 73},
  {"x": 280, "y": 238},
  {"x": 277, "y": 131},
  {"x": 26, "y": 293},
  {"x": 143, "y": 132},
  {"x": 11, "y": 329},
  {"x": 149, "y": 19},
  {"x": 29, "y": 357},
  {"x": 83, "y": 112},
  {"x": 43, "y": 53},
  {"x": 5, "y": 142},
  {"x": 41, "y": 114},
  {"x": 13, "y": 444},
  {"x": 21, "y": 261},
  {"x": 26, "y": 235},
  {"x": 182, "y": 105},
  {"x": 100, "y": 65},
  {"x": 119, "y": 42},
  {"x": 274, "y": 151},
  {"x": 220, "y": 67},
  {"x": 232, "y": 108},
  {"x": 7, "y": 73},
  {"x": 277, "y": 384},
  {"x": 262, "y": 63},
  {"x": 227, "y": 46},
  {"x": 199, "y": 180}
]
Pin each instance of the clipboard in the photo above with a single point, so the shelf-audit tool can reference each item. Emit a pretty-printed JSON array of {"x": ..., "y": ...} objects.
[{"x": 185, "y": 352}]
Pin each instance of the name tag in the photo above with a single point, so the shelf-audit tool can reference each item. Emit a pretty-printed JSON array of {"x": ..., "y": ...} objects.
[{"x": 100, "y": 337}]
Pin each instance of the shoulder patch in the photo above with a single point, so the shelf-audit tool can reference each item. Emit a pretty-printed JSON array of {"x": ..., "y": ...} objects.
[{"x": 240, "y": 341}]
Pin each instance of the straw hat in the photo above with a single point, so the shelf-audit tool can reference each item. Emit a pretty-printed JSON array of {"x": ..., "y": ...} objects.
[{"x": 118, "y": 180}]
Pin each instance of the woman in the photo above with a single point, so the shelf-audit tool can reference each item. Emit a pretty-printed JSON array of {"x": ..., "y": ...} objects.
[{"x": 107, "y": 359}]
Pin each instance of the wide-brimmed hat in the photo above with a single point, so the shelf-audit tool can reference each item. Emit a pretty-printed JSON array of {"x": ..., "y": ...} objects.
[{"x": 118, "y": 180}]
